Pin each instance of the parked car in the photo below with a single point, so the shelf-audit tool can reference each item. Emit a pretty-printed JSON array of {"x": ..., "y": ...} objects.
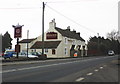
[
  {"x": 1, "y": 54},
  {"x": 8, "y": 54},
  {"x": 36, "y": 53},
  {"x": 111, "y": 53},
  {"x": 24, "y": 54},
  {"x": 39, "y": 54}
]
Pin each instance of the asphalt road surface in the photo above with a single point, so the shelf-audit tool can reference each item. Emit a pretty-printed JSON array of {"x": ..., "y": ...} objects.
[{"x": 91, "y": 69}]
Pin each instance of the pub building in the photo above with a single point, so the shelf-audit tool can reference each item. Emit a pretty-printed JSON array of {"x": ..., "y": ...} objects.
[{"x": 58, "y": 43}]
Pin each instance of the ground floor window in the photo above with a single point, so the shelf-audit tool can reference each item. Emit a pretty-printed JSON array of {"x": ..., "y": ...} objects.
[
  {"x": 65, "y": 51},
  {"x": 53, "y": 51},
  {"x": 46, "y": 50}
]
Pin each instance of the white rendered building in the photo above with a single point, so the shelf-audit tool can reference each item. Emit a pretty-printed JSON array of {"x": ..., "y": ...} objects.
[{"x": 58, "y": 43}]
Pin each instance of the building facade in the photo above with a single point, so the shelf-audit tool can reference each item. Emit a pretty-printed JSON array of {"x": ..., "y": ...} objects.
[{"x": 58, "y": 43}]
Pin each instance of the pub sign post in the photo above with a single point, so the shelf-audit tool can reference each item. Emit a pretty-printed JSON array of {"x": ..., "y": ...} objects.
[{"x": 17, "y": 34}]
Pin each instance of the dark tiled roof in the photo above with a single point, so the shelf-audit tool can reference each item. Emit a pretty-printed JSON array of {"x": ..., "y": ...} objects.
[
  {"x": 69, "y": 34},
  {"x": 47, "y": 44},
  {"x": 26, "y": 40}
]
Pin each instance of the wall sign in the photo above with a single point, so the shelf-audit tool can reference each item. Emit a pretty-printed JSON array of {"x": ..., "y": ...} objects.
[{"x": 51, "y": 35}]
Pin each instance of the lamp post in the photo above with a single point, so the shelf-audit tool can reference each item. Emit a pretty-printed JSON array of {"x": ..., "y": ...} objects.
[{"x": 17, "y": 34}]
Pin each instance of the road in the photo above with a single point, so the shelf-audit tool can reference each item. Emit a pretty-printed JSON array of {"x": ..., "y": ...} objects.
[{"x": 88, "y": 69}]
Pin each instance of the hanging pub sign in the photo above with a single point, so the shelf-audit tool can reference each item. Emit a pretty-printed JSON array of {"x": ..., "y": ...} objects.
[
  {"x": 51, "y": 35},
  {"x": 18, "y": 32}
]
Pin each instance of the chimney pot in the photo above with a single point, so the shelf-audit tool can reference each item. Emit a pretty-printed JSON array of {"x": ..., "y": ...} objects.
[
  {"x": 78, "y": 33},
  {"x": 74, "y": 30},
  {"x": 68, "y": 28}
]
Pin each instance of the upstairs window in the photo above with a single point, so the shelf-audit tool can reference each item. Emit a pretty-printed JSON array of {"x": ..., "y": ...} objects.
[{"x": 65, "y": 40}]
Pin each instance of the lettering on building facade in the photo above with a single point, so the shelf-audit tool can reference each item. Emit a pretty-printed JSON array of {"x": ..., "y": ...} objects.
[{"x": 51, "y": 35}]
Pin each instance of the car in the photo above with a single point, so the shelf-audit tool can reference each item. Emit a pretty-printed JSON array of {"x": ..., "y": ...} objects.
[
  {"x": 39, "y": 54},
  {"x": 24, "y": 54},
  {"x": 2, "y": 54},
  {"x": 36, "y": 53},
  {"x": 111, "y": 53},
  {"x": 8, "y": 54}
]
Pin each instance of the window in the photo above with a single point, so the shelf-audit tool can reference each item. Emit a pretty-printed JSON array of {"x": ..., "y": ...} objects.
[
  {"x": 65, "y": 40},
  {"x": 73, "y": 42},
  {"x": 65, "y": 51},
  {"x": 53, "y": 51},
  {"x": 31, "y": 50},
  {"x": 46, "y": 50}
]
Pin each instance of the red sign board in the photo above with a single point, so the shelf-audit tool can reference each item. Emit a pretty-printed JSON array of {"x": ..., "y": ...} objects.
[
  {"x": 18, "y": 32},
  {"x": 51, "y": 35},
  {"x": 17, "y": 48}
]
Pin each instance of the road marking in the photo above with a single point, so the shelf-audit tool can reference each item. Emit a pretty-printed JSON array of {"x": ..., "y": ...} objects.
[
  {"x": 104, "y": 65},
  {"x": 20, "y": 69},
  {"x": 89, "y": 74},
  {"x": 96, "y": 70},
  {"x": 101, "y": 67},
  {"x": 8, "y": 71},
  {"x": 80, "y": 79},
  {"x": 48, "y": 65}
]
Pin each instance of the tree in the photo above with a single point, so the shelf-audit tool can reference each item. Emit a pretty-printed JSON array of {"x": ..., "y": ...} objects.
[
  {"x": 115, "y": 44},
  {"x": 112, "y": 35},
  {"x": 101, "y": 46},
  {"x": 6, "y": 41}
]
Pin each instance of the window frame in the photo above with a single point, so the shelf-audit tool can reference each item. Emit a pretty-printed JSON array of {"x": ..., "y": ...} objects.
[{"x": 53, "y": 51}]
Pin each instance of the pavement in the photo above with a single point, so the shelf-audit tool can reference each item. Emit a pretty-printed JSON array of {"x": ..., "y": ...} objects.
[{"x": 15, "y": 61}]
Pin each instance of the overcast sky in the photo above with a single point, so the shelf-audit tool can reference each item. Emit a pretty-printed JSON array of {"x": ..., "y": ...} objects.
[{"x": 88, "y": 17}]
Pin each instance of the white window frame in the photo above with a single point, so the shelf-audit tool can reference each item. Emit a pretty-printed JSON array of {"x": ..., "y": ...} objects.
[
  {"x": 46, "y": 50},
  {"x": 66, "y": 51},
  {"x": 73, "y": 42},
  {"x": 66, "y": 41}
]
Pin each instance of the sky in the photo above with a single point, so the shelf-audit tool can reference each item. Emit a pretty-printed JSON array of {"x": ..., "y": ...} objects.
[{"x": 88, "y": 17}]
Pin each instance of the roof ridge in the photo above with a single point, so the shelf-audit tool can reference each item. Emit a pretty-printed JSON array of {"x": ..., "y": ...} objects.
[{"x": 69, "y": 34}]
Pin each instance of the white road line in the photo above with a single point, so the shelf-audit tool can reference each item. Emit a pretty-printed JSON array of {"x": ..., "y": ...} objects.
[
  {"x": 89, "y": 74},
  {"x": 47, "y": 66},
  {"x": 8, "y": 71},
  {"x": 96, "y": 70},
  {"x": 20, "y": 69},
  {"x": 104, "y": 65},
  {"x": 80, "y": 79},
  {"x": 101, "y": 67}
]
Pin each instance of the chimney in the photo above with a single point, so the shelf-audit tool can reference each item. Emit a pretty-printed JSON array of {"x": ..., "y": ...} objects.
[
  {"x": 52, "y": 24},
  {"x": 78, "y": 33},
  {"x": 68, "y": 28},
  {"x": 74, "y": 30}
]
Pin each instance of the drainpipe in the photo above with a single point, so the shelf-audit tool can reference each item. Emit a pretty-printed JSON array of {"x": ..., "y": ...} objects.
[{"x": 81, "y": 48}]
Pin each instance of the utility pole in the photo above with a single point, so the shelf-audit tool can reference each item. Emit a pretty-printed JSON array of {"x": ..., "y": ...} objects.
[
  {"x": 27, "y": 42},
  {"x": 43, "y": 30}
]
